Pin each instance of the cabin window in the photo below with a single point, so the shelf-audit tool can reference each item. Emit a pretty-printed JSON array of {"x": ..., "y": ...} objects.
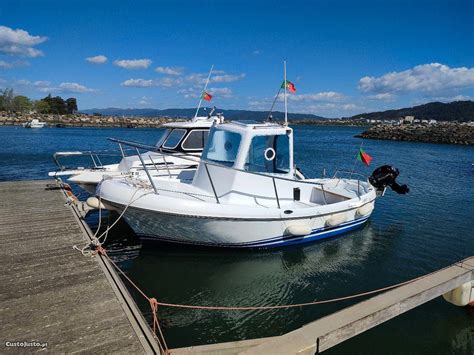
[
  {"x": 269, "y": 154},
  {"x": 223, "y": 147},
  {"x": 196, "y": 140},
  {"x": 174, "y": 138},
  {"x": 163, "y": 137}
]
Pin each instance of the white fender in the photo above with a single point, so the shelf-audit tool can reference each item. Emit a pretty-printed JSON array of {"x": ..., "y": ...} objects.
[
  {"x": 95, "y": 203},
  {"x": 298, "y": 230},
  {"x": 336, "y": 219},
  {"x": 462, "y": 295},
  {"x": 365, "y": 210}
]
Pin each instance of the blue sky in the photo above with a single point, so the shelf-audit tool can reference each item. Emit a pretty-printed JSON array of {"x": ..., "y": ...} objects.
[{"x": 345, "y": 57}]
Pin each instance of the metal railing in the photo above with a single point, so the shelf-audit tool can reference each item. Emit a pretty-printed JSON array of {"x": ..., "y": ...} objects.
[
  {"x": 94, "y": 156},
  {"x": 197, "y": 160}
]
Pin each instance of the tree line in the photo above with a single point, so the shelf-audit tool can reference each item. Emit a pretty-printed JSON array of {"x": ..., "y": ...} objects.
[{"x": 18, "y": 103}]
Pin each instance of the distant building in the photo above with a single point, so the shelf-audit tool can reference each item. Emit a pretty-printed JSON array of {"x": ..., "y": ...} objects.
[
  {"x": 424, "y": 121},
  {"x": 432, "y": 122},
  {"x": 416, "y": 121},
  {"x": 409, "y": 119}
]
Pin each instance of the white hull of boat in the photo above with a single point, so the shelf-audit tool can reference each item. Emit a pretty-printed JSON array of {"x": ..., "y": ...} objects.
[
  {"x": 234, "y": 233},
  {"x": 160, "y": 217}
]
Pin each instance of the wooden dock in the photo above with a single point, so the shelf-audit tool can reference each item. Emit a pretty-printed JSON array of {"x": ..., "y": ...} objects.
[
  {"x": 52, "y": 294},
  {"x": 335, "y": 328}
]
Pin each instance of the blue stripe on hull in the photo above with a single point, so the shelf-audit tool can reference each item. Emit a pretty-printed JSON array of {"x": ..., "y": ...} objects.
[{"x": 316, "y": 234}]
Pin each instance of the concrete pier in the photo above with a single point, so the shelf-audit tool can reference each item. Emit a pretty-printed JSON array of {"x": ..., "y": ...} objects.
[{"x": 52, "y": 297}]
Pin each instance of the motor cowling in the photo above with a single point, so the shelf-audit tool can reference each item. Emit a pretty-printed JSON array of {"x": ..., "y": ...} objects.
[{"x": 386, "y": 175}]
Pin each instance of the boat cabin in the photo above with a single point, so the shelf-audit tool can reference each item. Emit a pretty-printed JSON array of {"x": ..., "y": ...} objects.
[
  {"x": 259, "y": 147},
  {"x": 238, "y": 153},
  {"x": 188, "y": 136}
]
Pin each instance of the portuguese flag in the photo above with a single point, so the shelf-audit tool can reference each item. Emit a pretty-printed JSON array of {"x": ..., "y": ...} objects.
[
  {"x": 364, "y": 157},
  {"x": 289, "y": 86},
  {"x": 206, "y": 96}
]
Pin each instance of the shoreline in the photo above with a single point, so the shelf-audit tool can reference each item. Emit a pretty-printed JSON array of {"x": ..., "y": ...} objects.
[{"x": 440, "y": 133}]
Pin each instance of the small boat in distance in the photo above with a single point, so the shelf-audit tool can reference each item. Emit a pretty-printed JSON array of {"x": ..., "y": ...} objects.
[{"x": 34, "y": 123}]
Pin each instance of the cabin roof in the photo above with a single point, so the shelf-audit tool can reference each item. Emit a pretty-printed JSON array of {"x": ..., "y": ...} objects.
[
  {"x": 256, "y": 127},
  {"x": 200, "y": 122}
]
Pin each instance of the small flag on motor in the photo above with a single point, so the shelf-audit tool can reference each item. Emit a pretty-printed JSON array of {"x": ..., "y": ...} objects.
[
  {"x": 289, "y": 86},
  {"x": 206, "y": 96},
  {"x": 364, "y": 157}
]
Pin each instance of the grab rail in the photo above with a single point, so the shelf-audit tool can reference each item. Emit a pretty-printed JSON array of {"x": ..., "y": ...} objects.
[
  {"x": 206, "y": 163},
  {"x": 188, "y": 157}
]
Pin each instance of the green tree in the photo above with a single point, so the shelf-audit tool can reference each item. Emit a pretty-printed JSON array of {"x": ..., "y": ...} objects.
[
  {"x": 21, "y": 103},
  {"x": 7, "y": 99},
  {"x": 57, "y": 104},
  {"x": 42, "y": 106},
  {"x": 71, "y": 105}
]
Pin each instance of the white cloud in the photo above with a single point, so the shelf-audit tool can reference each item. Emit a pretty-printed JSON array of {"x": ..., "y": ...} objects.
[
  {"x": 387, "y": 97},
  {"x": 9, "y": 65},
  {"x": 138, "y": 83},
  {"x": 227, "y": 78},
  {"x": 98, "y": 59},
  {"x": 74, "y": 87},
  {"x": 326, "y": 96},
  {"x": 256, "y": 52},
  {"x": 47, "y": 87},
  {"x": 133, "y": 63},
  {"x": 221, "y": 92},
  {"x": 434, "y": 77},
  {"x": 168, "y": 82},
  {"x": 169, "y": 70},
  {"x": 19, "y": 42}
]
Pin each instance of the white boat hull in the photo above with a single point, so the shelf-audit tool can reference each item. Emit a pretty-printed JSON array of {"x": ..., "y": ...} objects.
[{"x": 235, "y": 232}]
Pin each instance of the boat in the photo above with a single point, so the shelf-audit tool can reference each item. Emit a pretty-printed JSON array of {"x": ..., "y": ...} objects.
[
  {"x": 178, "y": 137},
  {"x": 246, "y": 193},
  {"x": 34, "y": 123}
]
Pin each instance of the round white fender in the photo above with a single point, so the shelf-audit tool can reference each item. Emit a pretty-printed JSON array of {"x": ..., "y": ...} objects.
[
  {"x": 336, "y": 219},
  {"x": 462, "y": 295},
  {"x": 95, "y": 203},
  {"x": 298, "y": 230},
  {"x": 365, "y": 210}
]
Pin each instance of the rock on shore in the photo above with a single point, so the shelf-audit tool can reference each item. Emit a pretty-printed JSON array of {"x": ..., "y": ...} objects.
[
  {"x": 81, "y": 120},
  {"x": 447, "y": 133}
]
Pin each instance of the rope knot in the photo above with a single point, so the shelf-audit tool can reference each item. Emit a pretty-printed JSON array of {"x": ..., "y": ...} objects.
[
  {"x": 153, "y": 304},
  {"x": 100, "y": 250}
]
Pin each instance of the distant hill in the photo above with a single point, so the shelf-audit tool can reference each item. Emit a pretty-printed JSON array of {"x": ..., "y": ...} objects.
[
  {"x": 189, "y": 112},
  {"x": 453, "y": 111}
]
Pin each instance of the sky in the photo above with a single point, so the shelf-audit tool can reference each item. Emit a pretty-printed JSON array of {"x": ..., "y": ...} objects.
[{"x": 344, "y": 57}]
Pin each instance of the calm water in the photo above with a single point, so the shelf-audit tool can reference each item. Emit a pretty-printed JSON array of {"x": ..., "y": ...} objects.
[{"x": 407, "y": 236}]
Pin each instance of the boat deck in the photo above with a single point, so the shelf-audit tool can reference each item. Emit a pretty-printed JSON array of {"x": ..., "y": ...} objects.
[{"x": 51, "y": 293}]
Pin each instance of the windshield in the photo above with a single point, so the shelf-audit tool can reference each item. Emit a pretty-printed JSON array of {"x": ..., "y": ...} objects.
[
  {"x": 196, "y": 140},
  {"x": 174, "y": 138},
  {"x": 163, "y": 137},
  {"x": 222, "y": 147}
]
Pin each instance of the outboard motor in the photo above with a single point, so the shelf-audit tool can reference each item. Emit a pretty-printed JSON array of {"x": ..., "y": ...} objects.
[{"x": 385, "y": 176}]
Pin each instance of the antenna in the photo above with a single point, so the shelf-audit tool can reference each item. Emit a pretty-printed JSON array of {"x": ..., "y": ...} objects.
[
  {"x": 286, "y": 104},
  {"x": 205, "y": 87}
]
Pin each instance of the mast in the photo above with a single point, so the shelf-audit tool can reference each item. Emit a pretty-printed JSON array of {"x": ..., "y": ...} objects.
[
  {"x": 286, "y": 104},
  {"x": 205, "y": 87}
]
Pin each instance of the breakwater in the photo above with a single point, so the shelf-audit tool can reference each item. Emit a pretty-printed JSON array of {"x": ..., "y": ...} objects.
[
  {"x": 81, "y": 120},
  {"x": 446, "y": 133}
]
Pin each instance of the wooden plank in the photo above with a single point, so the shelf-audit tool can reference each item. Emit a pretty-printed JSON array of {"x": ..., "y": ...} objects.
[{"x": 50, "y": 292}]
